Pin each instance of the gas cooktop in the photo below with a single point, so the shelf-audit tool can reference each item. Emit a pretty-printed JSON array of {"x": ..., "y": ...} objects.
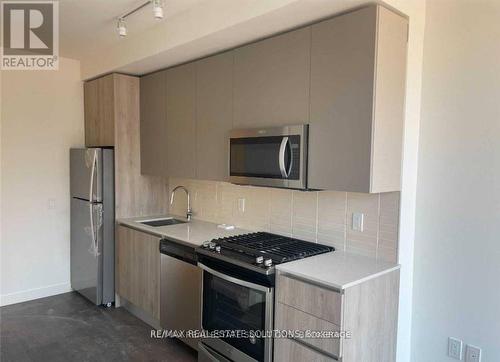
[{"x": 261, "y": 251}]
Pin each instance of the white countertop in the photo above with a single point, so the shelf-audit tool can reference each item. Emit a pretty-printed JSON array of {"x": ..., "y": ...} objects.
[
  {"x": 338, "y": 269},
  {"x": 193, "y": 233}
]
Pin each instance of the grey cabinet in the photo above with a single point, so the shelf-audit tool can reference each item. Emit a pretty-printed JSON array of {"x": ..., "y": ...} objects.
[
  {"x": 344, "y": 76},
  {"x": 168, "y": 139},
  {"x": 153, "y": 124},
  {"x": 214, "y": 112},
  {"x": 180, "y": 92},
  {"x": 358, "y": 67},
  {"x": 271, "y": 81}
]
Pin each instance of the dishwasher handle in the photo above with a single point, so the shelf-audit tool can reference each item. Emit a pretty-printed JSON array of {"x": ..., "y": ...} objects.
[{"x": 178, "y": 251}]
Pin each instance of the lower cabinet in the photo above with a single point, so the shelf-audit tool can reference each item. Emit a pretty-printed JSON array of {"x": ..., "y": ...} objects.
[
  {"x": 293, "y": 350},
  {"x": 358, "y": 323},
  {"x": 138, "y": 269}
]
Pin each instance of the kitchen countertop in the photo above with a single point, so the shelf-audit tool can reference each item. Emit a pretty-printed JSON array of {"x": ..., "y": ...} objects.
[
  {"x": 193, "y": 233},
  {"x": 338, "y": 269}
]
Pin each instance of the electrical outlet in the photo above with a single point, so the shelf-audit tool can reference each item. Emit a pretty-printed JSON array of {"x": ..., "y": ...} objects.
[
  {"x": 357, "y": 221},
  {"x": 472, "y": 354},
  {"x": 51, "y": 204},
  {"x": 241, "y": 205},
  {"x": 455, "y": 348}
]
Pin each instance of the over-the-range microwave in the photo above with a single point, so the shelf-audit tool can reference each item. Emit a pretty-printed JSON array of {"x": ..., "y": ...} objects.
[{"x": 275, "y": 157}]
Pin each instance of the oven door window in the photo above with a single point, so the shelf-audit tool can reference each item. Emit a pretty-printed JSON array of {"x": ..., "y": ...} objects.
[{"x": 230, "y": 306}]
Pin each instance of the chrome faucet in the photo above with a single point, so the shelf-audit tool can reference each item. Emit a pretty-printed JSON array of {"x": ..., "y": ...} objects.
[{"x": 188, "y": 212}]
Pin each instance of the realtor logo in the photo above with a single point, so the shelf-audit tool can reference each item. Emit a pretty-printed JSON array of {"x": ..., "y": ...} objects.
[{"x": 30, "y": 35}]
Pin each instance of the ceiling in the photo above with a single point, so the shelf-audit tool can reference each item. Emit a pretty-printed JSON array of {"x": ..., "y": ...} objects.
[
  {"x": 88, "y": 25},
  {"x": 191, "y": 29}
]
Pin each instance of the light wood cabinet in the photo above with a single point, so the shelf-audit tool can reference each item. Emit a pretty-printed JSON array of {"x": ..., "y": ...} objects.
[
  {"x": 214, "y": 115},
  {"x": 99, "y": 107},
  {"x": 292, "y": 350},
  {"x": 365, "y": 315},
  {"x": 138, "y": 269},
  {"x": 271, "y": 81},
  {"x": 358, "y": 67},
  {"x": 112, "y": 118},
  {"x": 153, "y": 124}
]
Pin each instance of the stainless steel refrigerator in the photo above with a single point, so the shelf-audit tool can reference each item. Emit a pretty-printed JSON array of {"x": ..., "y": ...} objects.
[{"x": 92, "y": 224}]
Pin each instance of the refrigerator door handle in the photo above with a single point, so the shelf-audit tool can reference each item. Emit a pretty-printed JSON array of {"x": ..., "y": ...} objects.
[
  {"x": 94, "y": 246},
  {"x": 92, "y": 177},
  {"x": 92, "y": 229}
]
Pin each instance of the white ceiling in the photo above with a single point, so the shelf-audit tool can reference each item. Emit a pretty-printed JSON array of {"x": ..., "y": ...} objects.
[
  {"x": 88, "y": 25},
  {"x": 191, "y": 29}
]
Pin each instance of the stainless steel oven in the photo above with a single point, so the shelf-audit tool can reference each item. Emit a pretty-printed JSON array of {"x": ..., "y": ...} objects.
[
  {"x": 237, "y": 308},
  {"x": 275, "y": 157}
]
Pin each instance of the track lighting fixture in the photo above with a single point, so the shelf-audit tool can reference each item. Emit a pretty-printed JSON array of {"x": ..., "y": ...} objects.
[
  {"x": 157, "y": 9},
  {"x": 157, "y": 13},
  {"x": 122, "y": 27}
]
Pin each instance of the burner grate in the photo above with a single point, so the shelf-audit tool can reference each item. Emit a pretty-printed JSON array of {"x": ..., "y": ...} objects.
[{"x": 279, "y": 248}]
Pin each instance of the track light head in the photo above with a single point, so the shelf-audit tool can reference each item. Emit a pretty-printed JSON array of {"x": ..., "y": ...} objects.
[
  {"x": 157, "y": 9},
  {"x": 122, "y": 27}
]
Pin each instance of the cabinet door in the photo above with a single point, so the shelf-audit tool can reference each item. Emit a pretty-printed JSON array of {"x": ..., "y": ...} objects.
[
  {"x": 99, "y": 112},
  {"x": 342, "y": 79},
  {"x": 214, "y": 111},
  {"x": 271, "y": 81},
  {"x": 289, "y": 350},
  {"x": 138, "y": 269},
  {"x": 153, "y": 124},
  {"x": 180, "y": 127}
]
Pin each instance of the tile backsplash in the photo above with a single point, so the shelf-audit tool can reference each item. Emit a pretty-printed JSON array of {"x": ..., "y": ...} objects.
[{"x": 319, "y": 216}]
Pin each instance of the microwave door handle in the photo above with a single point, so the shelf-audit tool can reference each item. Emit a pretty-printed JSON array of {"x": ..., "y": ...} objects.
[
  {"x": 283, "y": 171},
  {"x": 289, "y": 171}
]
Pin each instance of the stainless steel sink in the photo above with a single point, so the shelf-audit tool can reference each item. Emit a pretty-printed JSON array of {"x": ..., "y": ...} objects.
[{"x": 162, "y": 222}]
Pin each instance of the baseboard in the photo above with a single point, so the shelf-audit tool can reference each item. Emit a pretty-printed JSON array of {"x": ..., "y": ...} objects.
[{"x": 30, "y": 294}]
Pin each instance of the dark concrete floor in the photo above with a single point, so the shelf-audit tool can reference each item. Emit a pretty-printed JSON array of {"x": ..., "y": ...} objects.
[{"x": 67, "y": 327}]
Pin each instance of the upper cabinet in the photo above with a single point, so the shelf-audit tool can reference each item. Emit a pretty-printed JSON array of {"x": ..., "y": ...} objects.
[
  {"x": 112, "y": 118},
  {"x": 180, "y": 122},
  {"x": 153, "y": 124},
  {"x": 358, "y": 68},
  {"x": 168, "y": 122},
  {"x": 214, "y": 115},
  {"x": 99, "y": 103},
  {"x": 271, "y": 81},
  {"x": 344, "y": 76}
]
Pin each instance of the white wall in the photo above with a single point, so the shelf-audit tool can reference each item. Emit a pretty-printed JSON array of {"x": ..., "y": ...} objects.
[
  {"x": 415, "y": 9},
  {"x": 457, "y": 247},
  {"x": 42, "y": 117}
]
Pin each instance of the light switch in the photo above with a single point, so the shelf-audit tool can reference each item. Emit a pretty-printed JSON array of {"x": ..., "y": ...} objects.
[
  {"x": 357, "y": 221},
  {"x": 241, "y": 205},
  {"x": 472, "y": 354},
  {"x": 455, "y": 348}
]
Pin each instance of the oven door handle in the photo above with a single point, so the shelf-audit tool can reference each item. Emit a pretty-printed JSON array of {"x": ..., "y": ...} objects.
[{"x": 235, "y": 280}]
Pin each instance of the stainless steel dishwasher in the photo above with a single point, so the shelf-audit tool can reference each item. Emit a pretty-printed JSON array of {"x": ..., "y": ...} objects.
[{"x": 180, "y": 289}]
